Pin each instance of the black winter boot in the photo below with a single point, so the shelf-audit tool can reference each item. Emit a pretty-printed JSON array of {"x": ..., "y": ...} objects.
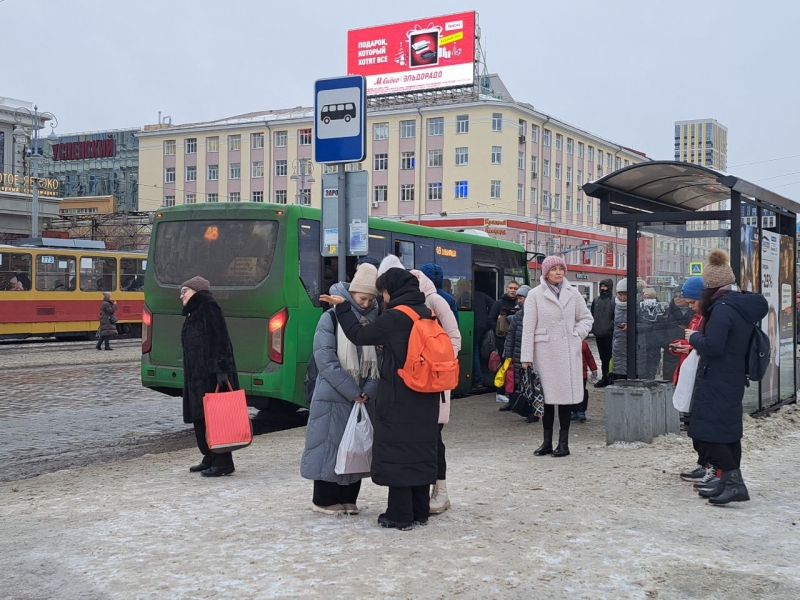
[
  {"x": 733, "y": 489},
  {"x": 547, "y": 445},
  {"x": 563, "y": 444}
]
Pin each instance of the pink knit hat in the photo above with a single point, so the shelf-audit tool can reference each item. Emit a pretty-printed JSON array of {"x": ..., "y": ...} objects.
[{"x": 552, "y": 261}]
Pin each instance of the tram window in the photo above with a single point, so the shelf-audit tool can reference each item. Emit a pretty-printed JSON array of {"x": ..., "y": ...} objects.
[
  {"x": 310, "y": 261},
  {"x": 98, "y": 274},
  {"x": 55, "y": 273},
  {"x": 132, "y": 273},
  {"x": 15, "y": 271},
  {"x": 455, "y": 258}
]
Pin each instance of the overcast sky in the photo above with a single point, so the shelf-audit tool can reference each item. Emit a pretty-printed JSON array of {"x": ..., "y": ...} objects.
[{"x": 622, "y": 69}]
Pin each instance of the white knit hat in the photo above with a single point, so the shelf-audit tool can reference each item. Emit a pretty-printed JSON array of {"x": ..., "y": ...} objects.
[{"x": 390, "y": 262}]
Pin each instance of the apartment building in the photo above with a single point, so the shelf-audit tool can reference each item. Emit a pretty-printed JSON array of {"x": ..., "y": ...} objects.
[{"x": 702, "y": 142}]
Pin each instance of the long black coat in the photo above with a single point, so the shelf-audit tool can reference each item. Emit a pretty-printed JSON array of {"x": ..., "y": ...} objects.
[
  {"x": 677, "y": 322},
  {"x": 207, "y": 351},
  {"x": 716, "y": 410},
  {"x": 405, "y": 423},
  {"x": 513, "y": 347}
]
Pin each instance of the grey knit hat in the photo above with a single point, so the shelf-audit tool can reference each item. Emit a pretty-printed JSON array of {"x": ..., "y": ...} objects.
[
  {"x": 197, "y": 283},
  {"x": 524, "y": 290}
]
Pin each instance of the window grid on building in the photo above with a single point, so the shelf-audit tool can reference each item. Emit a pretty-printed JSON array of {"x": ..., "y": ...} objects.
[
  {"x": 281, "y": 139},
  {"x": 435, "y": 158},
  {"x": 191, "y": 145},
  {"x": 462, "y": 124},
  {"x": 256, "y": 196},
  {"x": 569, "y": 174},
  {"x": 281, "y": 168},
  {"x": 304, "y": 136},
  {"x": 190, "y": 199},
  {"x": 534, "y": 164},
  {"x": 235, "y": 171},
  {"x": 534, "y": 195},
  {"x": 557, "y": 202},
  {"x": 559, "y": 141},
  {"x": 381, "y": 162},
  {"x": 257, "y": 169},
  {"x": 280, "y": 197},
  {"x": 234, "y": 197},
  {"x": 191, "y": 173},
  {"x": 304, "y": 197},
  {"x": 535, "y": 134},
  {"x": 520, "y": 192},
  {"x": 494, "y": 191},
  {"x": 545, "y": 167},
  {"x": 169, "y": 175},
  {"x": 462, "y": 156},
  {"x": 169, "y": 200},
  {"x": 570, "y": 146},
  {"x": 546, "y": 138},
  {"x": 568, "y": 205},
  {"x": 169, "y": 147},
  {"x": 545, "y": 199},
  {"x": 406, "y": 161},
  {"x": 434, "y": 191},
  {"x": 212, "y": 197},
  {"x": 406, "y": 192},
  {"x": 436, "y": 126},
  {"x": 380, "y": 131},
  {"x": 521, "y": 160},
  {"x": 497, "y": 155},
  {"x": 212, "y": 172},
  {"x": 580, "y": 149},
  {"x": 462, "y": 189},
  {"x": 234, "y": 143},
  {"x": 497, "y": 121},
  {"x": 558, "y": 171},
  {"x": 380, "y": 193},
  {"x": 212, "y": 144},
  {"x": 256, "y": 140},
  {"x": 408, "y": 129}
]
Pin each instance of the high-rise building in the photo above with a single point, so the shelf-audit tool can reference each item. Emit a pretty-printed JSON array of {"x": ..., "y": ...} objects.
[{"x": 702, "y": 142}]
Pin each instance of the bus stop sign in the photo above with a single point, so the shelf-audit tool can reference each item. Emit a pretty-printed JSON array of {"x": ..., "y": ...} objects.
[{"x": 340, "y": 119}]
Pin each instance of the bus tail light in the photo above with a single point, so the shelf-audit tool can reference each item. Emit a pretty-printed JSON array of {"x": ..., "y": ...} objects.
[
  {"x": 277, "y": 328},
  {"x": 147, "y": 334}
]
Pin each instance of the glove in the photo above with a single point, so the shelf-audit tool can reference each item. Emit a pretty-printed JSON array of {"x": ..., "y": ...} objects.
[{"x": 222, "y": 379}]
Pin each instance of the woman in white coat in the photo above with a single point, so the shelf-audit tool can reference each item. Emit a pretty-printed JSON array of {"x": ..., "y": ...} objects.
[
  {"x": 439, "y": 500},
  {"x": 555, "y": 324}
]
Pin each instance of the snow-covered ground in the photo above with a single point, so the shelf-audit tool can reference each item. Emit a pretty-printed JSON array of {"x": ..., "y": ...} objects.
[{"x": 606, "y": 522}]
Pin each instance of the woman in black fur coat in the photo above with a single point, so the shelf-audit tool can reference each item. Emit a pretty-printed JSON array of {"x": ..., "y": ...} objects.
[{"x": 207, "y": 363}]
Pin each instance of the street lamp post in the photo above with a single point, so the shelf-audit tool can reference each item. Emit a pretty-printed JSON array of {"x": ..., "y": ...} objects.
[
  {"x": 20, "y": 135},
  {"x": 305, "y": 169}
]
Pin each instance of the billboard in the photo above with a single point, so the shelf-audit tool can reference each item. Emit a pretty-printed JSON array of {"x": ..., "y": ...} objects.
[{"x": 412, "y": 56}]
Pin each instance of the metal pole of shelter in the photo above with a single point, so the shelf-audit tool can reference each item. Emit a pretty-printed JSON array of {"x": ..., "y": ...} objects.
[
  {"x": 632, "y": 300},
  {"x": 342, "y": 207},
  {"x": 736, "y": 235}
]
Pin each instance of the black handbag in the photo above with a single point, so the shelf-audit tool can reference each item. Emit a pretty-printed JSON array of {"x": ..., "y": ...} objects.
[
  {"x": 488, "y": 344},
  {"x": 531, "y": 390}
]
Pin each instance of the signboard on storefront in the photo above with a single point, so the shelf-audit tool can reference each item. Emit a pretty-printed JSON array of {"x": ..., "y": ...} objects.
[
  {"x": 426, "y": 54},
  {"x": 23, "y": 184},
  {"x": 103, "y": 148}
]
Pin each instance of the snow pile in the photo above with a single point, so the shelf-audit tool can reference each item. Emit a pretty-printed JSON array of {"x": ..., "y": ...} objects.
[{"x": 762, "y": 432}]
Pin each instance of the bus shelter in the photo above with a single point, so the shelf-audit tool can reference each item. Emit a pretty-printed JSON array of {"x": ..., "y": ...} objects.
[{"x": 675, "y": 214}]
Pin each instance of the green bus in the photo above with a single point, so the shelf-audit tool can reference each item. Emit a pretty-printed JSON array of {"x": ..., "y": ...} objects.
[{"x": 267, "y": 273}]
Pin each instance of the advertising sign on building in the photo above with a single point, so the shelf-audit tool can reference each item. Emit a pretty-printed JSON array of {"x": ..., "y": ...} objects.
[{"x": 433, "y": 53}]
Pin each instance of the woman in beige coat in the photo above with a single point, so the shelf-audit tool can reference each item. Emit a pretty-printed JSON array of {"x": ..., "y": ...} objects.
[{"x": 555, "y": 324}]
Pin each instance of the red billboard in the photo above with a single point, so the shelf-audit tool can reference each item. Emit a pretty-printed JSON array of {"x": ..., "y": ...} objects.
[{"x": 425, "y": 54}]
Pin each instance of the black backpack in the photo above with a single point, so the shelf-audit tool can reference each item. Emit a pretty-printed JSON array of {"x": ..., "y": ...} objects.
[
  {"x": 758, "y": 351},
  {"x": 310, "y": 381}
]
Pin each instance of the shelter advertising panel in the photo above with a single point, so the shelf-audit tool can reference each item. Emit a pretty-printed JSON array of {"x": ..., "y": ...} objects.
[
  {"x": 425, "y": 54},
  {"x": 770, "y": 288},
  {"x": 787, "y": 317},
  {"x": 750, "y": 259}
]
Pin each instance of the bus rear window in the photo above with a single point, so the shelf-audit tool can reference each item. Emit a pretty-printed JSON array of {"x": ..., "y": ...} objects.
[{"x": 227, "y": 253}]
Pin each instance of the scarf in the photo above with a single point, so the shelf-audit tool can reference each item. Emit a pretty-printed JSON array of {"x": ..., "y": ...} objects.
[
  {"x": 347, "y": 353},
  {"x": 556, "y": 289}
]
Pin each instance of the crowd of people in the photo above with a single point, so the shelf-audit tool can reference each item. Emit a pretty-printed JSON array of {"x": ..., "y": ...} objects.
[{"x": 362, "y": 342}]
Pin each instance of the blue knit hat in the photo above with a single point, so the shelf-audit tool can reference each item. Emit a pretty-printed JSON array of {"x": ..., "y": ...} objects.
[{"x": 692, "y": 288}]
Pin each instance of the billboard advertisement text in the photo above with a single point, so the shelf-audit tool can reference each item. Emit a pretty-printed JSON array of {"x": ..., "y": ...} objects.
[{"x": 426, "y": 54}]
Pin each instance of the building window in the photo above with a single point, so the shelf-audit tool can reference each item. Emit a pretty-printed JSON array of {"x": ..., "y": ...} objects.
[
  {"x": 256, "y": 140},
  {"x": 406, "y": 192},
  {"x": 212, "y": 144},
  {"x": 534, "y": 164},
  {"x": 559, "y": 141},
  {"x": 495, "y": 188},
  {"x": 305, "y": 137},
  {"x": 235, "y": 197},
  {"x": 408, "y": 129},
  {"x": 462, "y": 124},
  {"x": 589, "y": 209},
  {"x": 407, "y": 161},
  {"x": 169, "y": 175},
  {"x": 191, "y": 145},
  {"x": 235, "y": 170},
  {"x": 436, "y": 126},
  {"x": 497, "y": 121},
  {"x": 590, "y": 154},
  {"x": 580, "y": 149},
  {"x": 281, "y": 168},
  {"x": 434, "y": 191},
  {"x": 497, "y": 155},
  {"x": 281, "y": 140},
  {"x": 462, "y": 156},
  {"x": 568, "y": 206},
  {"x": 256, "y": 196},
  {"x": 214, "y": 197},
  {"x": 580, "y": 177},
  {"x": 258, "y": 169},
  {"x": 381, "y": 162},
  {"x": 520, "y": 192},
  {"x": 618, "y": 163},
  {"x": 350, "y": 167},
  {"x": 599, "y": 158},
  {"x": 545, "y": 199},
  {"x": 380, "y": 131},
  {"x": 546, "y": 137},
  {"x": 535, "y": 134},
  {"x": 169, "y": 147},
  {"x": 534, "y": 195},
  {"x": 608, "y": 161},
  {"x": 191, "y": 173},
  {"x": 523, "y": 129},
  {"x": 328, "y": 169},
  {"x": 521, "y": 160},
  {"x": 190, "y": 199},
  {"x": 569, "y": 174},
  {"x": 380, "y": 193},
  {"x": 545, "y": 167},
  {"x": 462, "y": 189},
  {"x": 304, "y": 197},
  {"x": 579, "y": 206},
  {"x": 234, "y": 143},
  {"x": 435, "y": 158},
  {"x": 627, "y": 163},
  {"x": 169, "y": 200},
  {"x": 557, "y": 203},
  {"x": 558, "y": 171},
  {"x": 570, "y": 146},
  {"x": 280, "y": 196}
]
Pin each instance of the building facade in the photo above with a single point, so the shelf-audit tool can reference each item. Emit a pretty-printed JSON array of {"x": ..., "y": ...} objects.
[
  {"x": 702, "y": 142},
  {"x": 491, "y": 156},
  {"x": 101, "y": 163}
]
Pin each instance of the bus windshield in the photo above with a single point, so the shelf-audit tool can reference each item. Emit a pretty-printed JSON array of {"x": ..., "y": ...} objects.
[{"x": 228, "y": 253}]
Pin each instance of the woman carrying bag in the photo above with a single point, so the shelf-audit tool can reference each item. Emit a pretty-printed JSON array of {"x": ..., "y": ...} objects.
[
  {"x": 556, "y": 321},
  {"x": 348, "y": 374}
]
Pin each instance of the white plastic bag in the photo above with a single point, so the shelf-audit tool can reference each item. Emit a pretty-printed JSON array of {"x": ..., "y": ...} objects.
[
  {"x": 682, "y": 397},
  {"x": 355, "y": 449}
]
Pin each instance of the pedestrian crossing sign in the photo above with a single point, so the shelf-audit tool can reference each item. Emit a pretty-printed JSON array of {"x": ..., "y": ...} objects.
[{"x": 695, "y": 268}]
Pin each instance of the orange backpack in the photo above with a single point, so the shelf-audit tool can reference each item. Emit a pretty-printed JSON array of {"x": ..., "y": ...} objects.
[{"x": 431, "y": 365}]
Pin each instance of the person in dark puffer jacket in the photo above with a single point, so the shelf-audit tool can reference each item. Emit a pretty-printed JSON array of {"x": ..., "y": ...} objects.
[
  {"x": 513, "y": 344},
  {"x": 603, "y": 328}
]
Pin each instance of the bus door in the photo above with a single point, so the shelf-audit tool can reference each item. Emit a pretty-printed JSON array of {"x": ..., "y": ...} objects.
[{"x": 413, "y": 251}]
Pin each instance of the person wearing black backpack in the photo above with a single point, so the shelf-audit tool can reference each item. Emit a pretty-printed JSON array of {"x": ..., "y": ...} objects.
[{"x": 722, "y": 374}]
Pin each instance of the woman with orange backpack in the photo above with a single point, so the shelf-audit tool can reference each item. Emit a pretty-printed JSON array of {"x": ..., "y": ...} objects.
[{"x": 406, "y": 432}]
